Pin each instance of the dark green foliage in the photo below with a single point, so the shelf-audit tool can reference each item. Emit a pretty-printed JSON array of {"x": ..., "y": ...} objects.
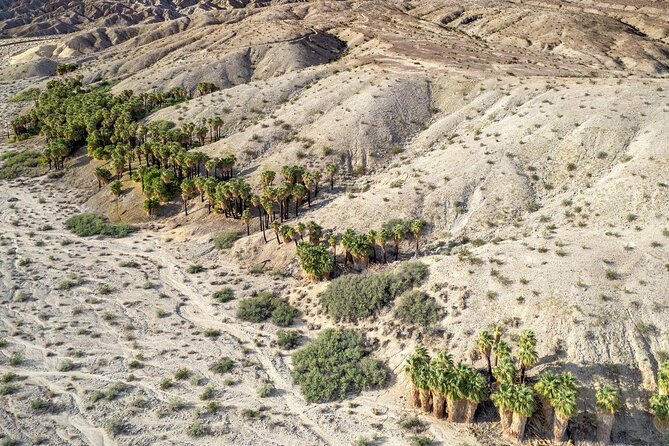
[
  {"x": 65, "y": 68},
  {"x": 30, "y": 94},
  {"x": 418, "y": 308},
  {"x": 223, "y": 366},
  {"x": 265, "y": 305},
  {"x": 335, "y": 365},
  {"x": 353, "y": 297},
  {"x": 287, "y": 339},
  {"x": 20, "y": 164},
  {"x": 85, "y": 225},
  {"x": 225, "y": 239},
  {"x": 224, "y": 295}
]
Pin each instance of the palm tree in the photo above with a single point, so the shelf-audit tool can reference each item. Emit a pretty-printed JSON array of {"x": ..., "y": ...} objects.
[
  {"x": 149, "y": 205},
  {"x": 505, "y": 371},
  {"x": 546, "y": 387},
  {"x": 315, "y": 232},
  {"x": 187, "y": 190},
  {"x": 476, "y": 391},
  {"x": 333, "y": 241},
  {"x": 501, "y": 350},
  {"x": 299, "y": 192},
  {"x": 440, "y": 370},
  {"x": 276, "y": 226},
  {"x": 417, "y": 226},
  {"x": 103, "y": 176},
  {"x": 383, "y": 236},
  {"x": 246, "y": 217},
  {"x": 663, "y": 378},
  {"x": 608, "y": 403},
  {"x": 523, "y": 407},
  {"x": 315, "y": 260},
  {"x": 316, "y": 175},
  {"x": 332, "y": 170},
  {"x": 564, "y": 405},
  {"x": 116, "y": 189},
  {"x": 267, "y": 177},
  {"x": 504, "y": 401},
  {"x": 659, "y": 407},
  {"x": 527, "y": 357},
  {"x": 417, "y": 368},
  {"x": 399, "y": 234},
  {"x": 484, "y": 343}
]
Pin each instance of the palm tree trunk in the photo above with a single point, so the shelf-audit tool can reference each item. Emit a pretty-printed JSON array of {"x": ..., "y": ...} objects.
[
  {"x": 415, "y": 396},
  {"x": 559, "y": 427},
  {"x": 425, "y": 400},
  {"x": 470, "y": 411},
  {"x": 522, "y": 374},
  {"x": 456, "y": 410},
  {"x": 490, "y": 377},
  {"x": 517, "y": 429},
  {"x": 186, "y": 206},
  {"x": 546, "y": 415},
  {"x": 505, "y": 417},
  {"x": 438, "y": 405},
  {"x": 604, "y": 427},
  {"x": 397, "y": 251}
]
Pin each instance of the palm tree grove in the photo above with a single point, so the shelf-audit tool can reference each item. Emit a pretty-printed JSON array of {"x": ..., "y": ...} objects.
[{"x": 334, "y": 222}]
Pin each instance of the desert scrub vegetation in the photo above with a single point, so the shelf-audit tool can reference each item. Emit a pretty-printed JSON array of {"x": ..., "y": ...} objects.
[
  {"x": 225, "y": 295},
  {"x": 287, "y": 339},
  {"x": 354, "y": 297},
  {"x": 21, "y": 164},
  {"x": 334, "y": 365},
  {"x": 264, "y": 306},
  {"x": 225, "y": 239},
  {"x": 86, "y": 225},
  {"x": 417, "y": 308}
]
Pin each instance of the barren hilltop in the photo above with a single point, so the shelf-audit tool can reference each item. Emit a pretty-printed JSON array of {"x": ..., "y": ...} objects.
[{"x": 334, "y": 222}]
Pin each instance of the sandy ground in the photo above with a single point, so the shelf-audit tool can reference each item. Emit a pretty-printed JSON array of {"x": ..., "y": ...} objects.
[{"x": 550, "y": 152}]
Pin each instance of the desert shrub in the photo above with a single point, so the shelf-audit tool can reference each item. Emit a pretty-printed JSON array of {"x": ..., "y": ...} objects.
[
  {"x": 224, "y": 295},
  {"x": 114, "y": 426},
  {"x": 265, "y": 305},
  {"x": 20, "y": 164},
  {"x": 26, "y": 95},
  {"x": 225, "y": 239},
  {"x": 335, "y": 365},
  {"x": 287, "y": 339},
  {"x": 418, "y": 308},
  {"x": 223, "y": 366},
  {"x": 85, "y": 225},
  {"x": 198, "y": 429},
  {"x": 353, "y": 297}
]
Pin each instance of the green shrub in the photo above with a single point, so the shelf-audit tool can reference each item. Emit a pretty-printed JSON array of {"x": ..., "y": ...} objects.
[
  {"x": 287, "y": 339},
  {"x": 334, "y": 365},
  {"x": 26, "y": 95},
  {"x": 21, "y": 164},
  {"x": 114, "y": 426},
  {"x": 265, "y": 305},
  {"x": 223, "y": 366},
  {"x": 353, "y": 297},
  {"x": 85, "y": 225},
  {"x": 418, "y": 308},
  {"x": 224, "y": 295},
  {"x": 194, "y": 269},
  {"x": 225, "y": 239}
]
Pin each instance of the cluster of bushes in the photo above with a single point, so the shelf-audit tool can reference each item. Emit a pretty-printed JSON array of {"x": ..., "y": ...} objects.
[
  {"x": 417, "y": 308},
  {"x": 86, "y": 225},
  {"x": 20, "y": 164},
  {"x": 353, "y": 297},
  {"x": 264, "y": 306},
  {"x": 335, "y": 365}
]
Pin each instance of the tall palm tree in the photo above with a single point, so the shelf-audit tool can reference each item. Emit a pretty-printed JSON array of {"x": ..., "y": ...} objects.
[
  {"x": 608, "y": 403},
  {"x": 315, "y": 232},
  {"x": 476, "y": 391},
  {"x": 299, "y": 192},
  {"x": 546, "y": 387},
  {"x": 501, "y": 350},
  {"x": 383, "y": 236},
  {"x": 505, "y": 371},
  {"x": 440, "y": 369},
  {"x": 417, "y": 368},
  {"x": 484, "y": 343},
  {"x": 333, "y": 241},
  {"x": 416, "y": 227},
  {"x": 564, "y": 405},
  {"x": 527, "y": 357},
  {"x": 103, "y": 176},
  {"x": 276, "y": 226},
  {"x": 523, "y": 407},
  {"x": 399, "y": 234},
  {"x": 246, "y": 217},
  {"x": 504, "y": 398},
  {"x": 332, "y": 170},
  {"x": 316, "y": 175},
  {"x": 187, "y": 191},
  {"x": 116, "y": 189}
]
